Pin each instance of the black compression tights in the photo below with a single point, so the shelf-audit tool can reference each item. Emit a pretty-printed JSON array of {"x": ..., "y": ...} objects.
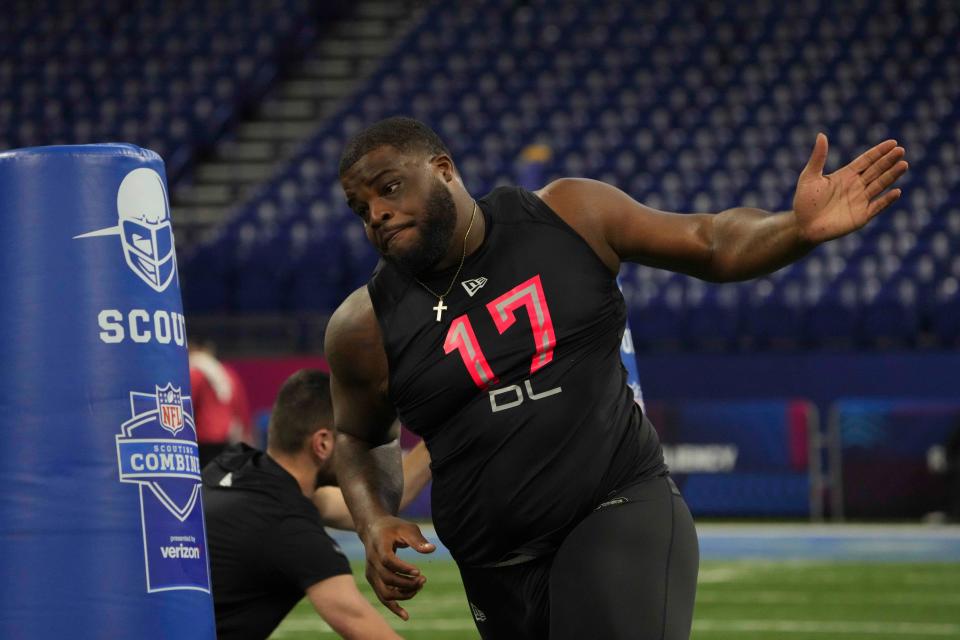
[{"x": 627, "y": 571}]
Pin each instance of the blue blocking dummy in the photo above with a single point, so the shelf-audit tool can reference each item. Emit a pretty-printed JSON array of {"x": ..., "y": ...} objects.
[{"x": 101, "y": 523}]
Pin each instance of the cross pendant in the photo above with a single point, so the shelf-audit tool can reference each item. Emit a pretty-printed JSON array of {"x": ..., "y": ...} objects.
[{"x": 440, "y": 308}]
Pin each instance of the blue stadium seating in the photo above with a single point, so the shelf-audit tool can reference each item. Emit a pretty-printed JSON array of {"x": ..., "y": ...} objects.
[
  {"x": 167, "y": 76},
  {"x": 695, "y": 106}
]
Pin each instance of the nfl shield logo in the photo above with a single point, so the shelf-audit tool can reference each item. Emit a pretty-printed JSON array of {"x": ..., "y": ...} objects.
[{"x": 170, "y": 408}]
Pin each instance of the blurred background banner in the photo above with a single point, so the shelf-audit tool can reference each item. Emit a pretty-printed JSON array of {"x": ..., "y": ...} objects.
[
  {"x": 896, "y": 458},
  {"x": 740, "y": 458},
  {"x": 101, "y": 510}
]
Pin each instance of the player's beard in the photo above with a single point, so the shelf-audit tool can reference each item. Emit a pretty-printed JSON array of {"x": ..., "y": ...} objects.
[{"x": 435, "y": 229}]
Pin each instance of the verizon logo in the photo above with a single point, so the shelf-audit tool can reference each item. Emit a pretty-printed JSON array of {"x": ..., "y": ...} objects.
[
  {"x": 473, "y": 285},
  {"x": 180, "y": 551}
]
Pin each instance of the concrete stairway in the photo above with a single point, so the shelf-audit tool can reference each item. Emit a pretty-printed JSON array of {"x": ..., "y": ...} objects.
[{"x": 345, "y": 54}]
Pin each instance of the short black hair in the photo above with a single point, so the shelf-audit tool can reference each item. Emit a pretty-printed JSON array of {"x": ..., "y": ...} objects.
[
  {"x": 400, "y": 132},
  {"x": 303, "y": 406}
]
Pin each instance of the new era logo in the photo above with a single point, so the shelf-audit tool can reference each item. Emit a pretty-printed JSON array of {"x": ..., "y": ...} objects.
[
  {"x": 474, "y": 285},
  {"x": 478, "y": 615}
]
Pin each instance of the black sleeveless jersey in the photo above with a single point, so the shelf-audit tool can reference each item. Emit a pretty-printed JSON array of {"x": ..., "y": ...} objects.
[{"x": 519, "y": 390}]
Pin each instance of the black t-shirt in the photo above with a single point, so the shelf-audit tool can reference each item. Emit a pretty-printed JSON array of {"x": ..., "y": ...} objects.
[
  {"x": 519, "y": 391},
  {"x": 267, "y": 544}
]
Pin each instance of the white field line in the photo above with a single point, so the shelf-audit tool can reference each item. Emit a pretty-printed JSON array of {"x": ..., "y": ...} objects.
[
  {"x": 826, "y": 598},
  {"x": 897, "y": 531},
  {"x": 805, "y": 571},
  {"x": 854, "y": 581},
  {"x": 828, "y": 627},
  {"x": 727, "y": 573}
]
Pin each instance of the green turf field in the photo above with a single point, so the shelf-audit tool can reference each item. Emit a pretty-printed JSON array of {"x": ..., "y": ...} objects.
[{"x": 743, "y": 599}]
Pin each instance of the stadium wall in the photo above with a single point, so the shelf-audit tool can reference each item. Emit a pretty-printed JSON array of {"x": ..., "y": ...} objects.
[
  {"x": 820, "y": 377},
  {"x": 728, "y": 389}
]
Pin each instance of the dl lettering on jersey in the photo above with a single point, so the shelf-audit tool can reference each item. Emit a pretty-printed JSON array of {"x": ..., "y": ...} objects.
[{"x": 512, "y": 396}]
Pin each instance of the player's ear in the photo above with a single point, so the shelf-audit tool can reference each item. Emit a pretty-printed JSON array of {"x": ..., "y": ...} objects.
[
  {"x": 321, "y": 443},
  {"x": 443, "y": 165}
]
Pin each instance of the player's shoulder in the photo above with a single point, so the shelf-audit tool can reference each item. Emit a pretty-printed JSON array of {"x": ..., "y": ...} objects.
[
  {"x": 353, "y": 332},
  {"x": 571, "y": 196},
  {"x": 353, "y": 319},
  {"x": 355, "y": 306},
  {"x": 584, "y": 204}
]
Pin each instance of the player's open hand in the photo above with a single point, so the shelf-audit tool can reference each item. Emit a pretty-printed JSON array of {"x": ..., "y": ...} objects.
[
  {"x": 830, "y": 206},
  {"x": 393, "y": 579}
]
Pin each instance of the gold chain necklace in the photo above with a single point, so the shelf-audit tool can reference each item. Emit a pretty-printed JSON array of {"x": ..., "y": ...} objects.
[{"x": 440, "y": 308}]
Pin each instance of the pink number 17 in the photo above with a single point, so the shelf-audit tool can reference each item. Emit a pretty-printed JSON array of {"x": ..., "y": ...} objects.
[{"x": 462, "y": 338}]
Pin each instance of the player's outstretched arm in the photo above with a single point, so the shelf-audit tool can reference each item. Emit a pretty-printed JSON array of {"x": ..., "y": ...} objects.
[
  {"x": 740, "y": 243},
  {"x": 368, "y": 472},
  {"x": 343, "y": 607}
]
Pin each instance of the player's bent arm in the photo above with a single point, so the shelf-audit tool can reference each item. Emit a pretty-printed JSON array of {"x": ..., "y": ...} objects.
[
  {"x": 368, "y": 473},
  {"x": 341, "y": 605},
  {"x": 735, "y": 244},
  {"x": 416, "y": 473}
]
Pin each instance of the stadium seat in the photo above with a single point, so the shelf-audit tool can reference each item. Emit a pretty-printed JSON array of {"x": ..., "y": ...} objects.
[{"x": 166, "y": 76}]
